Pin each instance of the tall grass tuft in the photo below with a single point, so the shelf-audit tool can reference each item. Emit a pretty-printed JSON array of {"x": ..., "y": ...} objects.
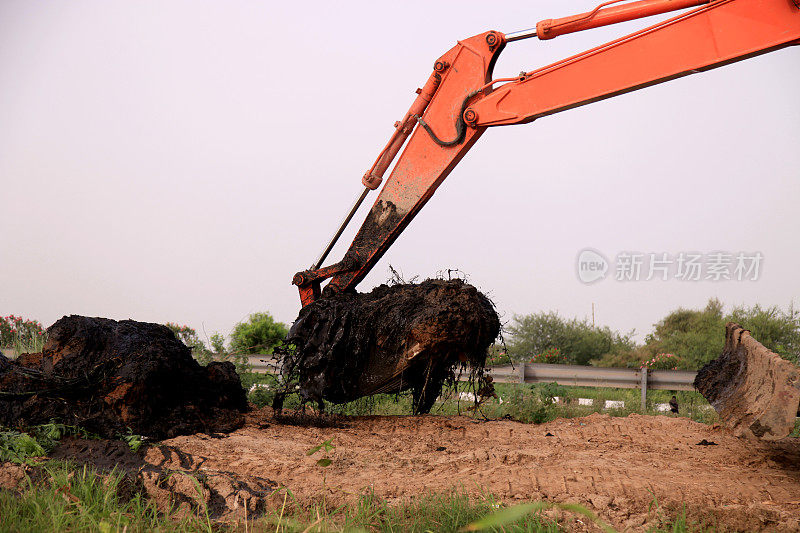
[{"x": 71, "y": 498}]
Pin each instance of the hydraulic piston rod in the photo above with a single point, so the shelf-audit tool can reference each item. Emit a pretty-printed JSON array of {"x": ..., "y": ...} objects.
[
  {"x": 342, "y": 226},
  {"x": 374, "y": 176},
  {"x": 550, "y": 28}
]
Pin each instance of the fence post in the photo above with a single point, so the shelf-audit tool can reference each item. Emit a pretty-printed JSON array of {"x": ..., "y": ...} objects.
[
  {"x": 522, "y": 372},
  {"x": 644, "y": 371}
]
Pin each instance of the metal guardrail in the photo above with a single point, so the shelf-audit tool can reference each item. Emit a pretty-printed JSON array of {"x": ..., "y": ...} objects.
[
  {"x": 572, "y": 375},
  {"x": 671, "y": 379},
  {"x": 580, "y": 376},
  {"x": 263, "y": 363},
  {"x": 591, "y": 376}
]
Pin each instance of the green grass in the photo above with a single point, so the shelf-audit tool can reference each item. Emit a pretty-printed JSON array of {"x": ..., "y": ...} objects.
[
  {"x": 522, "y": 402},
  {"x": 65, "y": 497},
  {"x": 678, "y": 522},
  {"x": 31, "y": 344},
  {"x": 70, "y": 498},
  {"x": 430, "y": 512}
]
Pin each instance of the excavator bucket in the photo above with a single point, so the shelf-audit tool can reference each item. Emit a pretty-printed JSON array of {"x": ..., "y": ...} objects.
[
  {"x": 753, "y": 389},
  {"x": 395, "y": 338}
]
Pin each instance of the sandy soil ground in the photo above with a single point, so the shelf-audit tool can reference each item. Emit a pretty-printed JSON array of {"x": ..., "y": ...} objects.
[{"x": 616, "y": 466}]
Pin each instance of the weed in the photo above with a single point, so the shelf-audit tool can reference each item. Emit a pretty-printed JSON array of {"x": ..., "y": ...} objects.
[
  {"x": 511, "y": 515},
  {"x": 324, "y": 462},
  {"x": 261, "y": 387},
  {"x": 324, "y": 447},
  {"x": 134, "y": 442},
  {"x": 71, "y": 498},
  {"x": 679, "y": 523},
  {"x": 23, "y": 447},
  {"x": 19, "y": 447}
]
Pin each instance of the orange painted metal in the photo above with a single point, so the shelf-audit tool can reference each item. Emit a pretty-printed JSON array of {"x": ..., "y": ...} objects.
[
  {"x": 714, "y": 35},
  {"x": 460, "y": 101},
  {"x": 374, "y": 176},
  {"x": 423, "y": 164},
  {"x": 551, "y": 28}
]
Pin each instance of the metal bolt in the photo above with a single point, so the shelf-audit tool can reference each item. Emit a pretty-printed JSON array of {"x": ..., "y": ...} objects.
[
  {"x": 491, "y": 39},
  {"x": 470, "y": 116}
]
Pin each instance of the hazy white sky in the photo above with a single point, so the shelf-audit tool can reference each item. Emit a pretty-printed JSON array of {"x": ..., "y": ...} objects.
[{"x": 179, "y": 161}]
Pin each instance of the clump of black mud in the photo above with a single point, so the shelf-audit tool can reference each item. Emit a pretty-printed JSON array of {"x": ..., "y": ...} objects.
[
  {"x": 396, "y": 338},
  {"x": 113, "y": 377}
]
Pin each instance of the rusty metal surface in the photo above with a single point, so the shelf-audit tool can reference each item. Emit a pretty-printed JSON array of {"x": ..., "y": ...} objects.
[{"x": 754, "y": 391}]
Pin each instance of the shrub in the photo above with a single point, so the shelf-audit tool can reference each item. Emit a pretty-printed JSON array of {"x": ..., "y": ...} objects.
[
  {"x": 497, "y": 357},
  {"x": 577, "y": 340},
  {"x": 24, "y": 336},
  {"x": 202, "y": 353},
  {"x": 623, "y": 359},
  {"x": 662, "y": 361},
  {"x": 550, "y": 356},
  {"x": 37, "y": 441},
  {"x": 260, "y": 334},
  {"x": 776, "y": 329},
  {"x": 189, "y": 337},
  {"x": 533, "y": 404},
  {"x": 698, "y": 335},
  {"x": 260, "y": 387}
]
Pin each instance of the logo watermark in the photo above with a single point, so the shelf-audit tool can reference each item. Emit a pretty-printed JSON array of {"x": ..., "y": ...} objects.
[{"x": 592, "y": 266}]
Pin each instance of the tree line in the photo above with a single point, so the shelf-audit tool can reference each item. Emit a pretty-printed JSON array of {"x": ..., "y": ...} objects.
[{"x": 690, "y": 337}]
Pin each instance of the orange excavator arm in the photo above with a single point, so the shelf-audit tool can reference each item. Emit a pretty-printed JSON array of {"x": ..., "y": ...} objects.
[{"x": 460, "y": 100}]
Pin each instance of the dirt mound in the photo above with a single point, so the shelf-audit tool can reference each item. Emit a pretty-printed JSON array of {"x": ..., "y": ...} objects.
[
  {"x": 395, "y": 338},
  {"x": 114, "y": 377}
]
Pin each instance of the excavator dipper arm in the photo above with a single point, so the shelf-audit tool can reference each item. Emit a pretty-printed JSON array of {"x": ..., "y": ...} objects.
[{"x": 460, "y": 101}]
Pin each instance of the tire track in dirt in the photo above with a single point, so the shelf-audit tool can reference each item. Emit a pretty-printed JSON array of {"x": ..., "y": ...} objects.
[{"x": 617, "y": 466}]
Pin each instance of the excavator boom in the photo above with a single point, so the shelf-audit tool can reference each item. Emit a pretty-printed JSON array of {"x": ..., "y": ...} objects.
[{"x": 460, "y": 100}]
